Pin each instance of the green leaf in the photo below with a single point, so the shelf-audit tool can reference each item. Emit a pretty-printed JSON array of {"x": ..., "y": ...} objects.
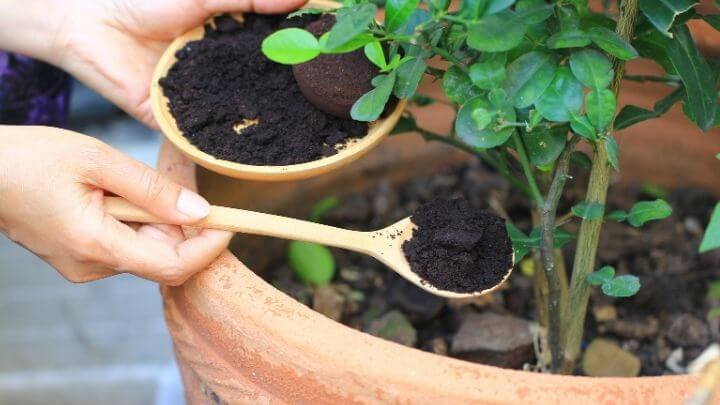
[
  {"x": 581, "y": 159},
  {"x": 544, "y": 145},
  {"x": 519, "y": 241},
  {"x": 489, "y": 72},
  {"x": 313, "y": 264},
  {"x": 498, "y": 97},
  {"x": 622, "y": 286},
  {"x": 601, "y": 276},
  {"x": 528, "y": 77},
  {"x": 495, "y": 6},
  {"x": 352, "y": 45},
  {"x": 662, "y": 13},
  {"x": 563, "y": 96},
  {"x": 496, "y": 33},
  {"x": 645, "y": 211},
  {"x": 352, "y": 22},
  {"x": 291, "y": 46},
  {"x": 561, "y": 238},
  {"x": 372, "y": 104},
  {"x": 711, "y": 240},
  {"x": 611, "y": 43},
  {"x": 305, "y": 11},
  {"x": 573, "y": 38},
  {"x": 600, "y": 108},
  {"x": 713, "y": 20},
  {"x": 617, "y": 216},
  {"x": 589, "y": 210},
  {"x": 611, "y": 147},
  {"x": 405, "y": 124},
  {"x": 592, "y": 68},
  {"x": 322, "y": 207},
  {"x": 533, "y": 11},
  {"x": 397, "y": 13},
  {"x": 631, "y": 115},
  {"x": 651, "y": 44},
  {"x": 375, "y": 54},
  {"x": 582, "y": 126},
  {"x": 474, "y": 123},
  {"x": 419, "y": 16},
  {"x": 457, "y": 85},
  {"x": 409, "y": 74},
  {"x": 472, "y": 9},
  {"x": 696, "y": 75}
]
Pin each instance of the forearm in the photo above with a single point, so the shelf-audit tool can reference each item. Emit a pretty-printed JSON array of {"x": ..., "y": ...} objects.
[{"x": 30, "y": 27}]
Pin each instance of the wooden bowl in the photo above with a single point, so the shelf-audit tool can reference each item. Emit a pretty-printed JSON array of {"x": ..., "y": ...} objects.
[{"x": 350, "y": 152}]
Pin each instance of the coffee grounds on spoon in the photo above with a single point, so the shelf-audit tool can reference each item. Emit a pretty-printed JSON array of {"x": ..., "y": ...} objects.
[
  {"x": 224, "y": 80},
  {"x": 457, "y": 247}
]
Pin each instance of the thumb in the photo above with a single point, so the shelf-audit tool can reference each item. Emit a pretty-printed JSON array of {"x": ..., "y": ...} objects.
[{"x": 146, "y": 188}]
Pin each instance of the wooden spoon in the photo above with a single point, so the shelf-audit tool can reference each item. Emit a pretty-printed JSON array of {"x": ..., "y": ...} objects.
[
  {"x": 350, "y": 152},
  {"x": 384, "y": 245}
]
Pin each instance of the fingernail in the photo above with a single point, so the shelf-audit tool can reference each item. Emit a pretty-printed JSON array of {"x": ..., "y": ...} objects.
[{"x": 192, "y": 205}]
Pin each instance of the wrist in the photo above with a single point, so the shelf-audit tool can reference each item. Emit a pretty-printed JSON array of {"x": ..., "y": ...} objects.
[{"x": 31, "y": 27}]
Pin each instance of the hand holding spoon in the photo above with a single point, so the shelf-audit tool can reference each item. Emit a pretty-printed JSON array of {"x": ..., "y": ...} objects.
[{"x": 385, "y": 245}]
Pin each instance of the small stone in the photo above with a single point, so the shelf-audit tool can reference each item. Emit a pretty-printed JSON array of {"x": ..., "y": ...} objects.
[
  {"x": 632, "y": 328},
  {"x": 604, "y": 358},
  {"x": 439, "y": 346},
  {"x": 489, "y": 338},
  {"x": 693, "y": 226},
  {"x": 418, "y": 304},
  {"x": 394, "y": 326},
  {"x": 604, "y": 312},
  {"x": 686, "y": 330},
  {"x": 329, "y": 300}
]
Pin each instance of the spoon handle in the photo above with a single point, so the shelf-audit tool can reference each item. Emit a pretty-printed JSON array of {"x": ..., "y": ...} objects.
[{"x": 255, "y": 223}]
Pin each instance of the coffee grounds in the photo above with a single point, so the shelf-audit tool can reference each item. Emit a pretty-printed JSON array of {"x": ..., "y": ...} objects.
[
  {"x": 334, "y": 83},
  {"x": 224, "y": 80},
  {"x": 457, "y": 247}
]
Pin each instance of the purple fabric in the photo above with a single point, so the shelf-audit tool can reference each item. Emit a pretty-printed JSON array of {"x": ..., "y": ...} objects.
[{"x": 32, "y": 92}]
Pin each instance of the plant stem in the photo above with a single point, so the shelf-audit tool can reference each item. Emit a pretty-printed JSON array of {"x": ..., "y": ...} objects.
[
  {"x": 450, "y": 57},
  {"x": 548, "y": 213},
  {"x": 671, "y": 80},
  {"x": 588, "y": 237},
  {"x": 527, "y": 170}
]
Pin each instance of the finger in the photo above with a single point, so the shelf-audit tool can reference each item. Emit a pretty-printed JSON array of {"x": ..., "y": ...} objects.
[
  {"x": 170, "y": 234},
  {"x": 156, "y": 255},
  {"x": 143, "y": 186},
  {"x": 258, "y": 6}
]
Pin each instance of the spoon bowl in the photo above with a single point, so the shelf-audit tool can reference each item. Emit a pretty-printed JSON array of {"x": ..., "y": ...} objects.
[
  {"x": 385, "y": 245},
  {"x": 346, "y": 154}
]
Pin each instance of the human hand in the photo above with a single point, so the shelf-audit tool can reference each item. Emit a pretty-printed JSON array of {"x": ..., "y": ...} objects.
[
  {"x": 52, "y": 184},
  {"x": 113, "y": 45}
]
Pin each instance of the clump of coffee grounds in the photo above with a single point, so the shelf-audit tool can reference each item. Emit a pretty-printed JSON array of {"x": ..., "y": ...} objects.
[
  {"x": 457, "y": 247},
  {"x": 224, "y": 80}
]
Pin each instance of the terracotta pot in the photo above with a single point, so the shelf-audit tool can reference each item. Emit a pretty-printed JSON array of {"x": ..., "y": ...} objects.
[{"x": 239, "y": 340}]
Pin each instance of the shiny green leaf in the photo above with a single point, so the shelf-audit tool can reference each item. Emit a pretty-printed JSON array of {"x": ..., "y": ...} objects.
[
  {"x": 291, "y": 46},
  {"x": 534, "y": 11},
  {"x": 457, "y": 85},
  {"x": 600, "y": 108},
  {"x": 631, "y": 115},
  {"x": 622, "y": 286},
  {"x": 582, "y": 126},
  {"x": 496, "y": 33},
  {"x": 573, "y": 38},
  {"x": 662, "y": 13},
  {"x": 645, "y": 211},
  {"x": 589, "y": 210},
  {"x": 476, "y": 129},
  {"x": 611, "y": 43},
  {"x": 601, "y": 276},
  {"x": 372, "y": 104},
  {"x": 489, "y": 71},
  {"x": 352, "y": 22},
  {"x": 592, "y": 68},
  {"x": 613, "y": 158},
  {"x": 409, "y": 74},
  {"x": 711, "y": 240},
  {"x": 544, "y": 145},
  {"x": 313, "y": 264},
  {"x": 617, "y": 216},
  {"x": 397, "y": 13},
  {"x": 528, "y": 77},
  {"x": 375, "y": 54},
  {"x": 563, "y": 96}
]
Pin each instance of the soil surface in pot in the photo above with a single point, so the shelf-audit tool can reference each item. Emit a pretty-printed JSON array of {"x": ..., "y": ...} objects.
[
  {"x": 233, "y": 103},
  {"x": 457, "y": 247},
  {"x": 672, "y": 319}
]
